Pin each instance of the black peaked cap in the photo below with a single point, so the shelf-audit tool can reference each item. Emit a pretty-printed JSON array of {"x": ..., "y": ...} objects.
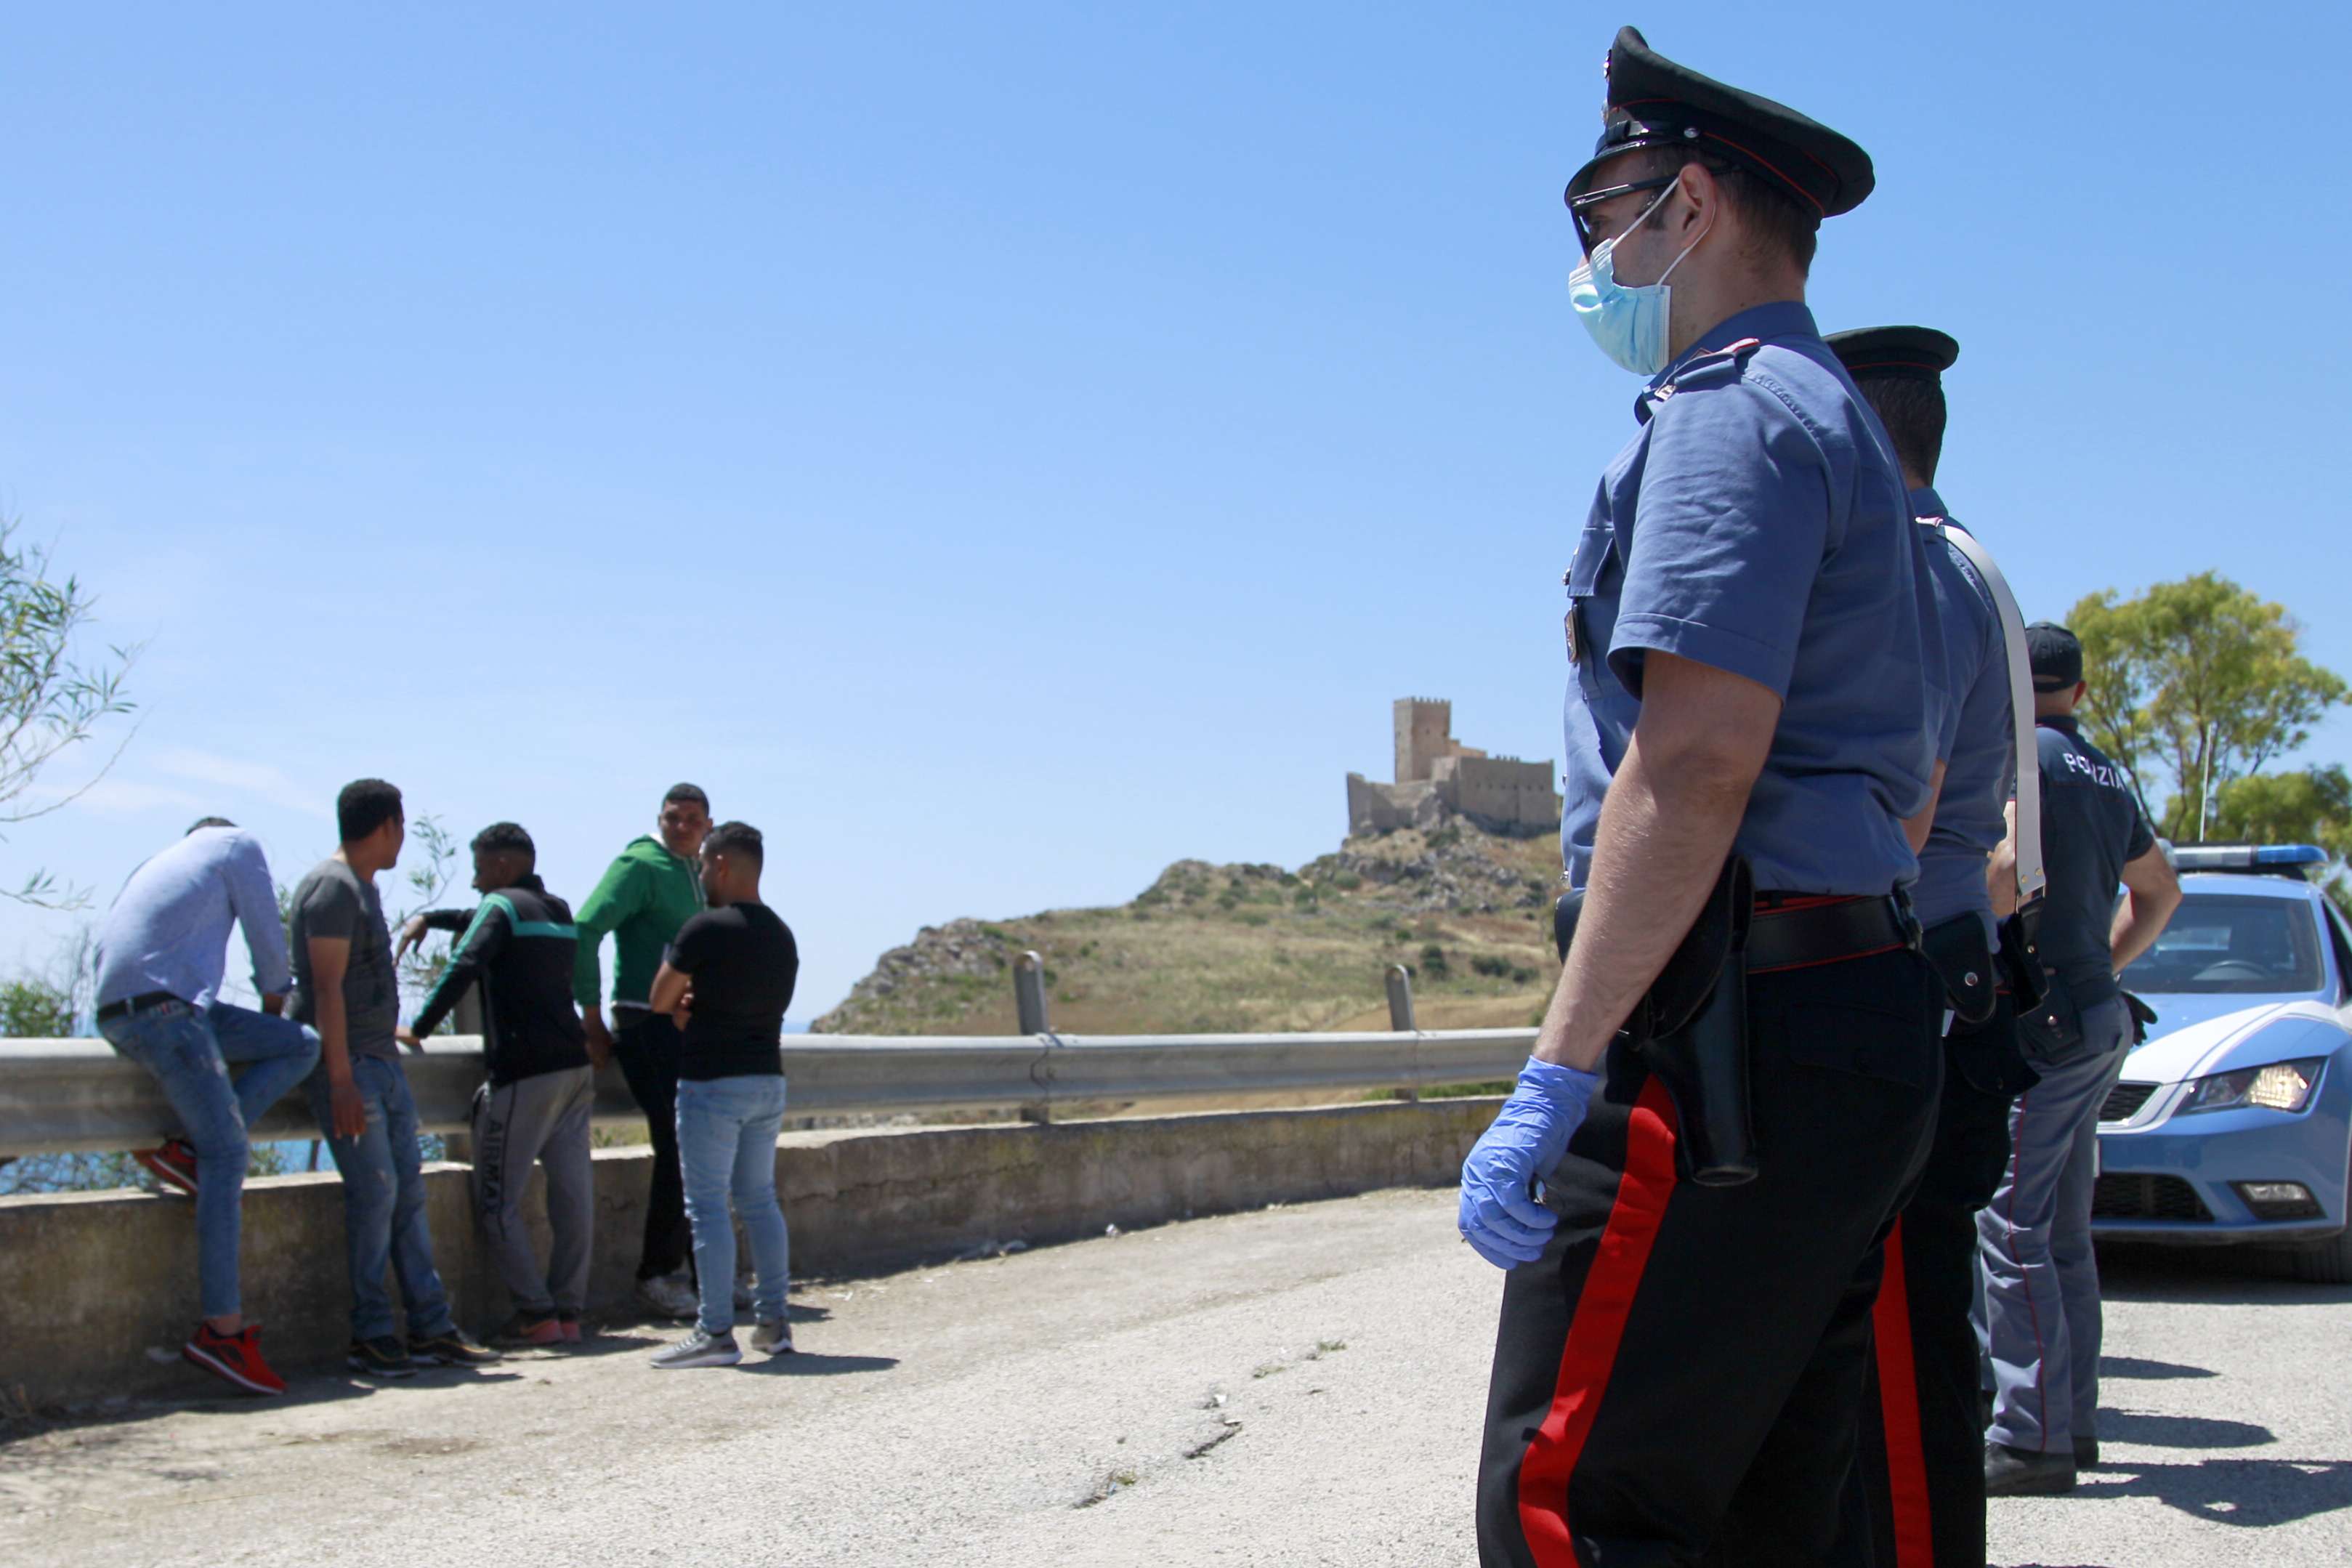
[
  {"x": 1672, "y": 105},
  {"x": 2056, "y": 655},
  {"x": 1914, "y": 354}
]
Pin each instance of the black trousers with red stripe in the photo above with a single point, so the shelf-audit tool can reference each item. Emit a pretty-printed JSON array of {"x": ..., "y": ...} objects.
[
  {"x": 1921, "y": 1469},
  {"x": 1677, "y": 1379}
]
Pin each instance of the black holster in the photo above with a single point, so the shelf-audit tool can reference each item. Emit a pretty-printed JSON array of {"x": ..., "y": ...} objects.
[
  {"x": 1963, "y": 961},
  {"x": 1690, "y": 1029},
  {"x": 2020, "y": 958}
]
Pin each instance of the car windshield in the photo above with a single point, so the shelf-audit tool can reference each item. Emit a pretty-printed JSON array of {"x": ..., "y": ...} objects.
[{"x": 2221, "y": 943}]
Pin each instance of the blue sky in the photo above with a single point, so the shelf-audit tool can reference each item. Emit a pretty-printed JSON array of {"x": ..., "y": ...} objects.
[{"x": 999, "y": 450}]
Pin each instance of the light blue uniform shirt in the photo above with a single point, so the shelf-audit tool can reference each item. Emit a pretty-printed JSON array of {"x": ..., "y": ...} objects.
[
  {"x": 1974, "y": 742},
  {"x": 1759, "y": 523},
  {"x": 168, "y": 929}
]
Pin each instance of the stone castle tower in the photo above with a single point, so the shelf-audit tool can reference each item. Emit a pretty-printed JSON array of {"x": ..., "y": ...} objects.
[{"x": 1437, "y": 776}]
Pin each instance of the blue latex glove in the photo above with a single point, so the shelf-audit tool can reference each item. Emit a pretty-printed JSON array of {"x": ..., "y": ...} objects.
[{"x": 1498, "y": 1219}]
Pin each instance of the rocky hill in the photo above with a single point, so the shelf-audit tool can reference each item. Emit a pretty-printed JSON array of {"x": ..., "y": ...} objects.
[{"x": 1212, "y": 949}]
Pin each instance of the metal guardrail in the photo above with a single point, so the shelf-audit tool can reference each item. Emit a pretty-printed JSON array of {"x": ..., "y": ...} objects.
[{"x": 65, "y": 1096}]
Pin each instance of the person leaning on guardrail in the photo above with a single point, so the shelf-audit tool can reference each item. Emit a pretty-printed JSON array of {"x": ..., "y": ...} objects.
[
  {"x": 652, "y": 888},
  {"x": 160, "y": 955},
  {"x": 726, "y": 980},
  {"x": 534, "y": 1109},
  {"x": 344, "y": 987}
]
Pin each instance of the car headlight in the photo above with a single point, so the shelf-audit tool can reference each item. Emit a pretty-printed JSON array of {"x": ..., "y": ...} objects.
[{"x": 2282, "y": 1086}]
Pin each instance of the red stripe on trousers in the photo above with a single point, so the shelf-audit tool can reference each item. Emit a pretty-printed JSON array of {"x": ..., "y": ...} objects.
[
  {"x": 1597, "y": 1326},
  {"x": 1898, "y": 1409}
]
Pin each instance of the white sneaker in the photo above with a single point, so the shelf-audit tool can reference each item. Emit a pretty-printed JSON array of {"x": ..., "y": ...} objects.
[
  {"x": 773, "y": 1339},
  {"x": 669, "y": 1296},
  {"x": 698, "y": 1349}
]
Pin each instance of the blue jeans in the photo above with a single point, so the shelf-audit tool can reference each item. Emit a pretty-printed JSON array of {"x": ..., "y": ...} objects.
[
  {"x": 727, "y": 1148},
  {"x": 189, "y": 1052},
  {"x": 384, "y": 1203},
  {"x": 2039, "y": 1322}
]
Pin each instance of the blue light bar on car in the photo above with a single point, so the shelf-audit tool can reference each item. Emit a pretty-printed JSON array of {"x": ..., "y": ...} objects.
[{"x": 2245, "y": 856}]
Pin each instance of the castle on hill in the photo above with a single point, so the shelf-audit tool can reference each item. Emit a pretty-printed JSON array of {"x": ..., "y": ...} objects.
[{"x": 1437, "y": 776}]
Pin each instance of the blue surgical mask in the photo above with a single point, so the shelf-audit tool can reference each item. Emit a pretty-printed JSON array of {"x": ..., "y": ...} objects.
[{"x": 1630, "y": 323}]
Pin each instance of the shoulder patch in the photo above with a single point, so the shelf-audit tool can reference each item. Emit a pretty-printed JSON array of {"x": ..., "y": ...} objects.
[{"x": 1711, "y": 368}]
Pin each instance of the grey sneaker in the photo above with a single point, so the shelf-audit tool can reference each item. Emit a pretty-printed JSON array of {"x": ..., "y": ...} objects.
[
  {"x": 669, "y": 1296},
  {"x": 698, "y": 1349},
  {"x": 773, "y": 1339}
]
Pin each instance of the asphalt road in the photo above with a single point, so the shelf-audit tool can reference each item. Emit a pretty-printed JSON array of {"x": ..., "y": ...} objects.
[{"x": 1291, "y": 1386}]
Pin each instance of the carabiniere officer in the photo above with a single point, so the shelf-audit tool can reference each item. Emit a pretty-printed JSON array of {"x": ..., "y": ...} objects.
[
  {"x": 1678, "y": 1366},
  {"x": 1923, "y": 1457}
]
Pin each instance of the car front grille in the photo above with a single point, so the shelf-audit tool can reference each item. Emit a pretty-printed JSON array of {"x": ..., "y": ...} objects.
[
  {"x": 2127, "y": 1195},
  {"x": 2124, "y": 1099}
]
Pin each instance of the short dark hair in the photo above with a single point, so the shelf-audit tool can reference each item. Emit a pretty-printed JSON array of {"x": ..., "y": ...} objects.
[
  {"x": 689, "y": 793},
  {"x": 1778, "y": 224},
  {"x": 1912, "y": 412},
  {"x": 506, "y": 838},
  {"x": 365, "y": 805},
  {"x": 204, "y": 822},
  {"x": 737, "y": 841}
]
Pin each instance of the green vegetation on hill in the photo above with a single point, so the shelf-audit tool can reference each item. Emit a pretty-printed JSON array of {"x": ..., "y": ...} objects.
[{"x": 1228, "y": 949}]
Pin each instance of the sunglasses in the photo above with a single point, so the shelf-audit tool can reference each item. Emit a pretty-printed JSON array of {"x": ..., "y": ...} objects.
[{"x": 1578, "y": 207}]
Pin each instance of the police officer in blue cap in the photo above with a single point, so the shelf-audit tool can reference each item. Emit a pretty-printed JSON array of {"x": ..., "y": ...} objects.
[
  {"x": 1685, "y": 1319},
  {"x": 1923, "y": 1449},
  {"x": 2041, "y": 1322}
]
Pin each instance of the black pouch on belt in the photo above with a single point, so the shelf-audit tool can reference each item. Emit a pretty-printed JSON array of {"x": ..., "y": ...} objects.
[
  {"x": 2020, "y": 958},
  {"x": 1963, "y": 960},
  {"x": 1691, "y": 1030}
]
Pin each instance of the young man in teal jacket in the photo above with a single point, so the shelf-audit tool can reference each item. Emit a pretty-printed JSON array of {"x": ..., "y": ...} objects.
[{"x": 653, "y": 888}]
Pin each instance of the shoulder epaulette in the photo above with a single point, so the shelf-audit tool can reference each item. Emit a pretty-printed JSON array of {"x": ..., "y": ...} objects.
[{"x": 1713, "y": 364}]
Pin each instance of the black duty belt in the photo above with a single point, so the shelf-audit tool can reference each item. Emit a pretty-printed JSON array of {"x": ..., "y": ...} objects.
[
  {"x": 1791, "y": 930},
  {"x": 139, "y": 1003}
]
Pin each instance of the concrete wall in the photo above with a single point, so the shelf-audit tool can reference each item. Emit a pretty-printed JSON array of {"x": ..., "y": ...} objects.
[{"x": 97, "y": 1290}]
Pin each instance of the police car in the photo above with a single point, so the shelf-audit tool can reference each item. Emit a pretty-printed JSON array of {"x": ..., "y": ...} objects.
[{"x": 2232, "y": 1124}]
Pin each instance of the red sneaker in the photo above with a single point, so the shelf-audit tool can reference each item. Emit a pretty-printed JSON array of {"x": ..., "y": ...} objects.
[
  {"x": 174, "y": 1165},
  {"x": 236, "y": 1357},
  {"x": 571, "y": 1327},
  {"x": 531, "y": 1331}
]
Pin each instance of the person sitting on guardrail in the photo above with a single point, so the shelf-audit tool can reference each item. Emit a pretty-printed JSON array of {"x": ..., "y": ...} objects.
[
  {"x": 344, "y": 987},
  {"x": 726, "y": 981},
  {"x": 160, "y": 955},
  {"x": 518, "y": 945}
]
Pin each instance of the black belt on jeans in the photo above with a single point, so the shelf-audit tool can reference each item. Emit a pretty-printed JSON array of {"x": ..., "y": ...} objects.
[
  {"x": 139, "y": 1004},
  {"x": 1792, "y": 930}
]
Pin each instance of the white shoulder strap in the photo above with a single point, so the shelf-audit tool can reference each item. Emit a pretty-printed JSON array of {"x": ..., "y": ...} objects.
[{"x": 2030, "y": 877}]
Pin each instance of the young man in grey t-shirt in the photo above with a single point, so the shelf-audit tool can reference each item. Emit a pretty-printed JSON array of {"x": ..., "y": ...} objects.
[{"x": 345, "y": 989}]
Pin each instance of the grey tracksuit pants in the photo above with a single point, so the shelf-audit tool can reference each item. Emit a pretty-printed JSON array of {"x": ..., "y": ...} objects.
[
  {"x": 2039, "y": 1321},
  {"x": 542, "y": 1120}
]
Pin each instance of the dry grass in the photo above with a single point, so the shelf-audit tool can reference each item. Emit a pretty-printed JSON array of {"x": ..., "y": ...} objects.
[{"x": 1217, "y": 949}]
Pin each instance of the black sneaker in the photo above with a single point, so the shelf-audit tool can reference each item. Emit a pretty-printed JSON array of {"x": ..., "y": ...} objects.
[
  {"x": 450, "y": 1348},
  {"x": 2086, "y": 1453},
  {"x": 379, "y": 1357},
  {"x": 2021, "y": 1472}
]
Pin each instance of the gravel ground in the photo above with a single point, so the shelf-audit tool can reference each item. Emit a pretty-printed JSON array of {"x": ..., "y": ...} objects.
[{"x": 1291, "y": 1386}]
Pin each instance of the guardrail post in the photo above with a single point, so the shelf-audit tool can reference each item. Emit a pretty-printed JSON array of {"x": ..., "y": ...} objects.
[
  {"x": 1029, "y": 993},
  {"x": 1029, "y": 1002},
  {"x": 1400, "y": 1000},
  {"x": 1400, "y": 987}
]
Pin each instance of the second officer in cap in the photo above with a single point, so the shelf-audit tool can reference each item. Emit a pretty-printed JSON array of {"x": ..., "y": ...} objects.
[
  {"x": 1923, "y": 1449},
  {"x": 1678, "y": 1365}
]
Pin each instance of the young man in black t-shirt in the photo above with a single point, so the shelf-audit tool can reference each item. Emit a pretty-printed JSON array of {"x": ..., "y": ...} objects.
[{"x": 726, "y": 980}]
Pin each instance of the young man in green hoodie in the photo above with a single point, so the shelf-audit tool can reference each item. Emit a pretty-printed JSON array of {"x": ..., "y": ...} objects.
[{"x": 654, "y": 887}]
